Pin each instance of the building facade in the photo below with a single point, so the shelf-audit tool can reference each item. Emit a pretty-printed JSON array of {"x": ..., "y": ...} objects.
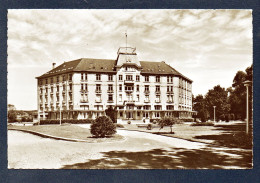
[{"x": 85, "y": 88}]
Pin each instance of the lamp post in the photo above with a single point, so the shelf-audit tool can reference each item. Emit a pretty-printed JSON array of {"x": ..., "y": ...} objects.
[
  {"x": 214, "y": 113},
  {"x": 246, "y": 84}
]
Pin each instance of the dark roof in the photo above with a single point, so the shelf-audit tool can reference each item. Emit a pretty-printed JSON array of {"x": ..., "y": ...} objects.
[{"x": 106, "y": 65}]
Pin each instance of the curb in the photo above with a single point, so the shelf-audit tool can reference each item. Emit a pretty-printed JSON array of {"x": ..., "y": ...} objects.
[{"x": 50, "y": 136}]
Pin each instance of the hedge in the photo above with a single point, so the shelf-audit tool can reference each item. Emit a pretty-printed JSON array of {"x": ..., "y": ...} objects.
[{"x": 72, "y": 121}]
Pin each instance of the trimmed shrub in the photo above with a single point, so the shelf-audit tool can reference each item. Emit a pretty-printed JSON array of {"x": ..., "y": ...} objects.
[
  {"x": 72, "y": 121},
  {"x": 187, "y": 120},
  {"x": 144, "y": 120},
  {"x": 149, "y": 127},
  {"x": 103, "y": 126},
  {"x": 203, "y": 124},
  {"x": 119, "y": 125},
  {"x": 129, "y": 122},
  {"x": 168, "y": 121}
]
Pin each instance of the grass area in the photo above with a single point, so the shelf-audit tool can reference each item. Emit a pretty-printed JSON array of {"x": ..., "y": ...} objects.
[
  {"x": 66, "y": 131},
  {"x": 229, "y": 134}
]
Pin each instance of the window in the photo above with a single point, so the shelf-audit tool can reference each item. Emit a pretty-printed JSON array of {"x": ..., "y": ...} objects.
[
  {"x": 157, "y": 89},
  {"x": 98, "y": 78},
  {"x": 138, "y": 114},
  {"x": 129, "y": 88},
  {"x": 110, "y": 87},
  {"x": 146, "y": 78},
  {"x": 120, "y": 97},
  {"x": 137, "y": 88},
  {"x": 169, "y": 88},
  {"x": 169, "y": 79},
  {"x": 58, "y": 79},
  {"x": 51, "y": 89},
  {"x": 137, "y": 98},
  {"x": 146, "y": 89},
  {"x": 46, "y": 81},
  {"x": 158, "y": 79},
  {"x": 137, "y": 78},
  {"x": 129, "y": 97},
  {"x": 98, "y": 87},
  {"x": 157, "y": 114},
  {"x": 120, "y": 77},
  {"x": 86, "y": 76},
  {"x": 98, "y": 98},
  {"x": 169, "y": 107},
  {"x": 146, "y": 98},
  {"x": 121, "y": 114},
  {"x": 63, "y": 87},
  {"x": 86, "y": 87},
  {"x": 110, "y": 97},
  {"x": 58, "y": 88},
  {"x": 82, "y": 76},
  {"x": 147, "y": 107},
  {"x": 70, "y": 77},
  {"x": 110, "y": 77},
  {"x": 157, "y": 107},
  {"x": 51, "y": 80},
  {"x": 70, "y": 86},
  {"x": 169, "y": 98},
  {"x": 82, "y": 86},
  {"x": 120, "y": 87},
  {"x": 64, "y": 78},
  {"x": 129, "y": 77},
  {"x": 157, "y": 98}
]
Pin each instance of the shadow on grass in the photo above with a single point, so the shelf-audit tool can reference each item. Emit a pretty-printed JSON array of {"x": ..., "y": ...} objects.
[
  {"x": 176, "y": 158},
  {"x": 232, "y": 136}
]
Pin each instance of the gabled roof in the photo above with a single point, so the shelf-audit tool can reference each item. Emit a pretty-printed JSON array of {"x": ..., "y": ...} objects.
[{"x": 107, "y": 65}]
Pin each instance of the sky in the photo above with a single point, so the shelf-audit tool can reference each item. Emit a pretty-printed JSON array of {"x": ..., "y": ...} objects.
[{"x": 207, "y": 46}]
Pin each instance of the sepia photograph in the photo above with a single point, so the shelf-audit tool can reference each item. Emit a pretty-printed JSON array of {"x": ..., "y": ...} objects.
[{"x": 130, "y": 89}]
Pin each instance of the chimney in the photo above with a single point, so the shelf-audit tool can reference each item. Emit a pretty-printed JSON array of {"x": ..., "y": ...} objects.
[{"x": 53, "y": 65}]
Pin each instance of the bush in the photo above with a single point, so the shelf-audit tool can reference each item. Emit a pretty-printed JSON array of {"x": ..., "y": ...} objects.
[
  {"x": 227, "y": 117},
  {"x": 72, "y": 121},
  {"x": 203, "y": 124},
  {"x": 144, "y": 120},
  {"x": 103, "y": 126},
  {"x": 149, "y": 127},
  {"x": 168, "y": 121},
  {"x": 119, "y": 125},
  {"x": 186, "y": 120},
  {"x": 222, "y": 117},
  {"x": 129, "y": 122}
]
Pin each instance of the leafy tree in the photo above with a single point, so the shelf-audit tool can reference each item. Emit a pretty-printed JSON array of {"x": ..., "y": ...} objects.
[
  {"x": 218, "y": 97},
  {"x": 200, "y": 107},
  {"x": 11, "y": 113},
  {"x": 167, "y": 121},
  {"x": 237, "y": 97},
  {"x": 112, "y": 113},
  {"x": 102, "y": 127}
]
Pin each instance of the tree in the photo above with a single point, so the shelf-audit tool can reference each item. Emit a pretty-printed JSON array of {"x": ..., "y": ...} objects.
[
  {"x": 167, "y": 121},
  {"x": 237, "y": 98},
  {"x": 200, "y": 107},
  {"x": 112, "y": 113},
  {"x": 11, "y": 113},
  {"x": 102, "y": 127},
  {"x": 218, "y": 97}
]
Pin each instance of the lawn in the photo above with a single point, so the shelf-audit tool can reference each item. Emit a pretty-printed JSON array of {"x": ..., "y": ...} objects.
[
  {"x": 225, "y": 134},
  {"x": 66, "y": 131}
]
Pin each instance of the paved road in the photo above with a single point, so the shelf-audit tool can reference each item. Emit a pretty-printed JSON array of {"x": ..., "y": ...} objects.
[{"x": 138, "y": 150}]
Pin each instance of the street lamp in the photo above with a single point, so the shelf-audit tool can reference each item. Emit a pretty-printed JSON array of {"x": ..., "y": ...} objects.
[
  {"x": 214, "y": 113},
  {"x": 246, "y": 84}
]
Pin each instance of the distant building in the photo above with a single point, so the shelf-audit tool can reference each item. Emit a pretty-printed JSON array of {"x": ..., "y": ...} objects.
[{"x": 84, "y": 88}]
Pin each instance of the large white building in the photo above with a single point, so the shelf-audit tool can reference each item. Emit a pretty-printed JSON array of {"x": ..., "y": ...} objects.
[{"x": 85, "y": 88}]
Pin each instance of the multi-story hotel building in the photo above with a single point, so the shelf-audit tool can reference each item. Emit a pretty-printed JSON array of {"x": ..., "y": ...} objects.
[{"x": 85, "y": 88}]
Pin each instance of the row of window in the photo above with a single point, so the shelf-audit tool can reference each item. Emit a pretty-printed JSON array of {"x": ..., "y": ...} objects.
[{"x": 84, "y": 77}]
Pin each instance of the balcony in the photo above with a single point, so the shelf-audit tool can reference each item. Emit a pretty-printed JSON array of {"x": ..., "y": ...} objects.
[
  {"x": 128, "y": 90},
  {"x": 129, "y": 81},
  {"x": 98, "y": 91},
  {"x": 63, "y": 91},
  {"x": 84, "y": 101},
  {"x": 46, "y": 94},
  {"x": 98, "y": 101},
  {"x": 129, "y": 102},
  {"x": 158, "y": 92},
  {"x": 110, "y": 101},
  {"x": 146, "y": 92},
  {"x": 70, "y": 91},
  {"x": 157, "y": 101},
  {"x": 169, "y": 92},
  {"x": 110, "y": 91},
  {"x": 83, "y": 91},
  {"x": 169, "y": 101},
  {"x": 146, "y": 101}
]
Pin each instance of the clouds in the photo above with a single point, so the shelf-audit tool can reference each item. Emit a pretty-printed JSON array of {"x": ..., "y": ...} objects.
[{"x": 196, "y": 42}]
